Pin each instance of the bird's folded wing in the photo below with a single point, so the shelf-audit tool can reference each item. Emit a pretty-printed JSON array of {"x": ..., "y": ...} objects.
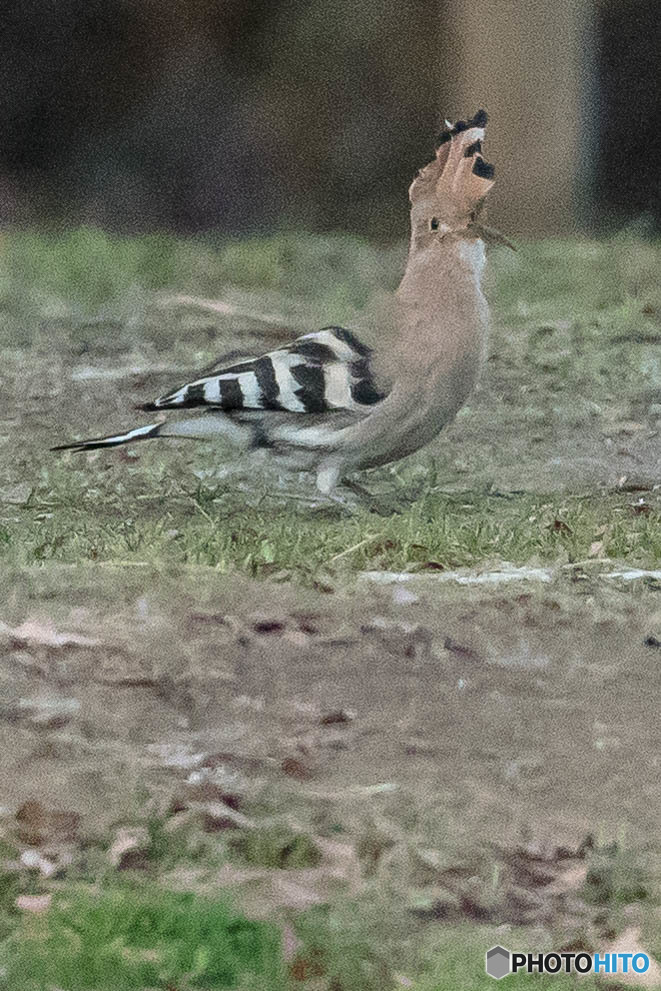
[{"x": 328, "y": 370}]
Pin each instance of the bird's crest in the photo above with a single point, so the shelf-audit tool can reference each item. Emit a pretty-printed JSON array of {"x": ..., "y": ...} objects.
[{"x": 454, "y": 185}]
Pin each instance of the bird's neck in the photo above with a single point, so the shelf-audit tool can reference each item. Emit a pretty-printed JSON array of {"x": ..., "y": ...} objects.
[
  {"x": 442, "y": 317},
  {"x": 443, "y": 274},
  {"x": 441, "y": 306}
]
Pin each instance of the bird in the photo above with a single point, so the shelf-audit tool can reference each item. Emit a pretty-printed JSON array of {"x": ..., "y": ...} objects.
[{"x": 337, "y": 400}]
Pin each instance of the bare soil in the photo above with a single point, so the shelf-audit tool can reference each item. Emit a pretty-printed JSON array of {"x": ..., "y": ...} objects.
[{"x": 531, "y": 712}]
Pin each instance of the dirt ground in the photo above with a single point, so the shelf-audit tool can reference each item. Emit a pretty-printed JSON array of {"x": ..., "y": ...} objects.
[{"x": 530, "y": 710}]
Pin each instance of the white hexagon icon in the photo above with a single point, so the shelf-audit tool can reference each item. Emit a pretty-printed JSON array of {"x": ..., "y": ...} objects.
[{"x": 497, "y": 962}]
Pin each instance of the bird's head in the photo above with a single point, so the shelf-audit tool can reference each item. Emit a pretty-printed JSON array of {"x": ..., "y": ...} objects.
[{"x": 448, "y": 194}]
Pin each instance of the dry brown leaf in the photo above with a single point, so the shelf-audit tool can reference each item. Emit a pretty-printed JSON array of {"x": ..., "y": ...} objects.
[
  {"x": 33, "y": 903},
  {"x": 37, "y": 825},
  {"x": 267, "y": 625},
  {"x": 336, "y": 717},
  {"x": 295, "y": 894},
  {"x": 559, "y": 526},
  {"x": 205, "y": 791},
  {"x": 241, "y": 761},
  {"x": 295, "y": 768},
  {"x": 35, "y": 633},
  {"x": 461, "y": 650},
  {"x": 571, "y": 879},
  {"x": 307, "y": 966},
  {"x": 217, "y": 816},
  {"x": 340, "y": 862},
  {"x": 130, "y": 847}
]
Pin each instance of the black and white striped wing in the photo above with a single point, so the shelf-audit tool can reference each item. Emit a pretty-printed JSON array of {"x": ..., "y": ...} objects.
[{"x": 319, "y": 372}]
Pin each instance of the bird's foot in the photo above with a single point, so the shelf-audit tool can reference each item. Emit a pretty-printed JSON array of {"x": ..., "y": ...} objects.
[{"x": 381, "y": 505}]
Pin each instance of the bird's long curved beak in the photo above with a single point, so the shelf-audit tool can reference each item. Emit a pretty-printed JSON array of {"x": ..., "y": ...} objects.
[{"x": 491, "y": 235}]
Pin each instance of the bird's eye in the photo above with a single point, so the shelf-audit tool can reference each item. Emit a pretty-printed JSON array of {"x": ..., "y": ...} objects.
[{"x": 433, "y": 223}]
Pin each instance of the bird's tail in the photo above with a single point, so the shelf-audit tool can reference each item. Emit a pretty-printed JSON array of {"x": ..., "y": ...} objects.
[
  {"x": 207, "y": 427},
  {"x": 138, "y": 433}
]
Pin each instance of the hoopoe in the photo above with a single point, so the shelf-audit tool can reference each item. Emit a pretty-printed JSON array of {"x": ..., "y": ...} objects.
[{"x": 337, "y": 400}]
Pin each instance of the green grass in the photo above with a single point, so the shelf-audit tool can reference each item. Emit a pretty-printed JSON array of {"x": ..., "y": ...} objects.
[
  {"x": 140, "y": 515},
  {"x": 276, "y": 847},
  {"x": 86, "y": 285},
  {"x": 10, "y": 888},
  {"x": 126, "y": 940},
  {"x": 129, "y": 939}
]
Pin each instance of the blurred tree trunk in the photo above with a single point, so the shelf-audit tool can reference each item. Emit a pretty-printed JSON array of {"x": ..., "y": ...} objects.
[{"x": 531, "y": 66}]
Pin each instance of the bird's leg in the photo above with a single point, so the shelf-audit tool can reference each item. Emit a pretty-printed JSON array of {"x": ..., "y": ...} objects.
[
  {"x": 318, "y": 501},
  {"x": 329, "y": 481},
  {"x": 358, "y": 489},
  {"x": 376, "y": 504}
]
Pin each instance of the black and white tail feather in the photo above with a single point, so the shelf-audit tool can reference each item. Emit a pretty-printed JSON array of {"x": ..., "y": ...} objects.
[{"x": 256, "y": 402}]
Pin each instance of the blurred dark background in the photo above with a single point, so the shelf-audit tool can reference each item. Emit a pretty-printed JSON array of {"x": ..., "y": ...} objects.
[{"x": 249, "y": 116}]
